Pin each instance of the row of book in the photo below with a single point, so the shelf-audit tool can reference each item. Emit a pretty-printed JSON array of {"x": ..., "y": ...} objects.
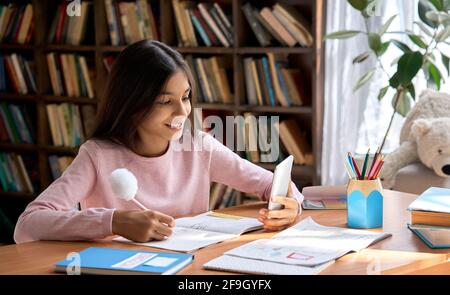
[
  {"x": 205, "y": 21},
  {"x": 71, "y": 30},
  {"x": 212, "y": 80},
  {"x": 58, "y": 164},
  {"x": 129, "y": 22},
  {"x": 70, "y": 75},
  {"x": 18, "y": 174},
  {"x": 268, "y": 81},
  {"x": 259, "y": 147},
  {"x": 15, "y": 124},
  {"x": 16, "y": 23},
  {"x": 281, "y": 22},
  {"x": 222, "y": 196},
  {"x": 17, "y": 74},
  {"x": 68, "y": 125}
]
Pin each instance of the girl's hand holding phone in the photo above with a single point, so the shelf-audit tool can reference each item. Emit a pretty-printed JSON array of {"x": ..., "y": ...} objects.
[{"x": 276, "y": 220}]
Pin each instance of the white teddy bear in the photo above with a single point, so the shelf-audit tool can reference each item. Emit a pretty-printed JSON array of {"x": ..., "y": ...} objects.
[{"x": 425, "y": 136}]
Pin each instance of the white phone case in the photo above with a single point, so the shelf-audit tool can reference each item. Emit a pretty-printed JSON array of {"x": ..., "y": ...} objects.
[{"x": 281, "y": 181}]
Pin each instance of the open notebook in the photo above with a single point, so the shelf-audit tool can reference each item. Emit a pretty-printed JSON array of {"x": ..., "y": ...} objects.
[
  {"x": 305, "y": 248},
  {"x": 192, "y": 233}
]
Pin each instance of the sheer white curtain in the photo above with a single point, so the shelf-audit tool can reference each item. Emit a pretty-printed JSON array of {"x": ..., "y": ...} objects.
[{"x": 343, "y": 109}]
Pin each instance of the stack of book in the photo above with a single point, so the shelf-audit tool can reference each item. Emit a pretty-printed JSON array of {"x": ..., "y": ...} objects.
[
  {"x": 129, "y": 22},
  {"x": 16, "y": 23},
  {"x": 65, "y": 124},
  {"x": 58, "y": 164},
  {"x": 15, "y": 124},
  {"x": 17, "y": 74},
  {"x": 203, "y": 22},
  {"x": 282, "y": 22},
  {"x": 211, "y": 77},
  {"x": 222, "y": 196},
  {"x": 430, "y": 217},
  {"x": 70, "y": 75},
  {"x": 268, "y": 81},
  {"x": 71, "y": 30},
  {"x": 14, "y": 176}
]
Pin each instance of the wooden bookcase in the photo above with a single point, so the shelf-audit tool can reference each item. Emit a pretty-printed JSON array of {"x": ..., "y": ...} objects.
[{"x": 308, "y": 59}]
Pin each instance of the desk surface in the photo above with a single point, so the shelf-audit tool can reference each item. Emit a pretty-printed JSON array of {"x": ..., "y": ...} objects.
[{"x": 400, "y": 254}]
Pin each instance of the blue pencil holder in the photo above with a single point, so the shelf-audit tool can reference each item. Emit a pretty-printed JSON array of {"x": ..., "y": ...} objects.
[{"x": 364, "y": 203}]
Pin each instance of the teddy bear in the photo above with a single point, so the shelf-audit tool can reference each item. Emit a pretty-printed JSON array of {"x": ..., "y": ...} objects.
[{"x": 425, "y": 137}]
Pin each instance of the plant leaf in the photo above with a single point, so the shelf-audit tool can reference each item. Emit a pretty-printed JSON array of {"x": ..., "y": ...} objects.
[
  {"x": 424, "y": 29},
  {"x": 408, "y": 67},
  {"x": 417, "y": 40},
  {"x": 403, "y": 105},
  {"x": 394, "y": 82},
  {"x": 342, "y": 34},
  {"x": 437, "y": 17},
  {"x": 374, "y": 42},
  {"x": 383, "y": 92},
  {"x": 386, "y": 26},
  {"x": 438, "y": 4},
  {"x": 383, "y": 48},
  {"x": 358, "y": 4},
  {"x": 402, "y": 46},
  {"x": 362, "y": 57},
  {"x": 443, "y": 35},
  {"x": 395, "y": 61},
  {"x": 412, "y": 90},
  {"x": 423, "y": 8},
  {"x": 446, "y": 62},
  {"x": 435, "y": 75},
  {"x": 363, "y": 80}
]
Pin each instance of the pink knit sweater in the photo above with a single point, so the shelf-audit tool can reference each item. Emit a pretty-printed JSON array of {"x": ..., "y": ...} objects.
[{"x": 176, "y": 183}]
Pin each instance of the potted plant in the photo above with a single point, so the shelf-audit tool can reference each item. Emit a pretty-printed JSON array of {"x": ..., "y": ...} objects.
[{"x": 427, "y": 53}]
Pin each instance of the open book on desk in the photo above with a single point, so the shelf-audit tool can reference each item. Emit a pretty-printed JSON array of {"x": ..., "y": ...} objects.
[
  {"x": 192, "y": 233},
  {"x": 308, "y": 244}
]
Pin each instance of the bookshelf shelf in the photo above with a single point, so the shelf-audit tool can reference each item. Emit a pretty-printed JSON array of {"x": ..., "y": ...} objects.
[
  {"x": 308, "y": 60},
  {"x": 11, "y": 97},
  {"x": 80, "y": 100},
  {"x": 262, "y": 50},
  {"x": 19, "y": 147},
  {"x": 58, "y": 149},
  {"x": 278, "y": 109},
  {"x": 16, "y": 46},
  {"x": 70, "y": 48},
  {"x": 18, "y": 195}
]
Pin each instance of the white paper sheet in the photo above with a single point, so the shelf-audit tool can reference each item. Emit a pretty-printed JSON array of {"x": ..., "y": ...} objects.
[{"x": 308, "y": 244}]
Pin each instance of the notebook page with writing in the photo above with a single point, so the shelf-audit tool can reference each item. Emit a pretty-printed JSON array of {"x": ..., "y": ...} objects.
[
  {"x": 193, "y": 233},
  {"x": 252, "y": 266},
  {"x": 308, "y": 243}
]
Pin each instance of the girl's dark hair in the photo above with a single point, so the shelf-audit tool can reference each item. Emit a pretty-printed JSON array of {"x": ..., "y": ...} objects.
[{"x": 137, "y": 77}]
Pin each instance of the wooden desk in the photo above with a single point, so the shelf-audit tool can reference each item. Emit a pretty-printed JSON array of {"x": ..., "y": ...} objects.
[{"x": 400, "y": 254}]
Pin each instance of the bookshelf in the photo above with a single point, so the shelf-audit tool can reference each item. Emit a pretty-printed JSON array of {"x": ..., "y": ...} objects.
[{"x": 310, "y": 60}]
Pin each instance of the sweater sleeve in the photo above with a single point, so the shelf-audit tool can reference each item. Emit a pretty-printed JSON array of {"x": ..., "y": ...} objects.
[
  {"x": 230, "y": 169},
  {"x": 54, "y": 214}
]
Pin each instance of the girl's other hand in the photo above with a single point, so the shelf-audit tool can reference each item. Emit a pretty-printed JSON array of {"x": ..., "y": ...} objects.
[{"x": 142, "y": 225}]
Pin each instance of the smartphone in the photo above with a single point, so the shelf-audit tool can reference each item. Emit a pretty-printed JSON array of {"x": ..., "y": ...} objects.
[{"x": 281, "y": 181}]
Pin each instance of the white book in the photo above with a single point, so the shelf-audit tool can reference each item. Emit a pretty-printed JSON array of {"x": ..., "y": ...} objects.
[
  {"x": 308, "y": 244},
  {"x": 252, "y": 266},
  {"x": 192, "y": 233}
]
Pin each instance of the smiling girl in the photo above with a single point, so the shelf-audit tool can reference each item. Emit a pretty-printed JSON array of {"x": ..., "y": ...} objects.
[{"x": 146, "y": 103}]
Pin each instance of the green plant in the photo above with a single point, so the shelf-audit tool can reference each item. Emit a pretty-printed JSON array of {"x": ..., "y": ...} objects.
[{"x": 434, "y": 27}]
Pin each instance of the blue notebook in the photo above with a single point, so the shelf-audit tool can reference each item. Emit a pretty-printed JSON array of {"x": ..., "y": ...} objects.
[
  {"x": 436, "y": 237},
  {"x": 122, "y": 261}
]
